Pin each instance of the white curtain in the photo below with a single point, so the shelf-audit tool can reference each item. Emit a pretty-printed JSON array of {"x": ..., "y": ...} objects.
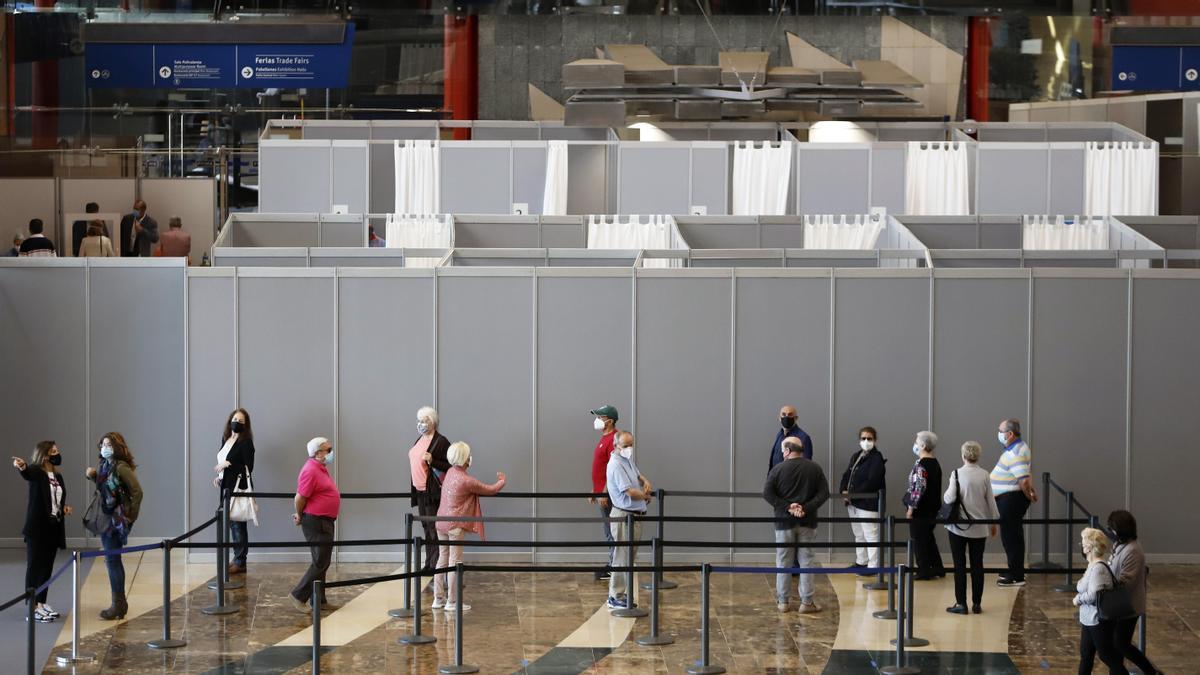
[
  {"x": 859, "y": 232},
  {"x": 632, "y": 233},
  {"x": 417, "y": 172},
  {"x": 419, "y": 231},
  {"x": 1121, "y": 179},
  {"x": 761, "y": 177},
  {"x": 554, "y": 199},
  {"x": 935, "y": 179},
  {"x": 1065, "y": 234}
]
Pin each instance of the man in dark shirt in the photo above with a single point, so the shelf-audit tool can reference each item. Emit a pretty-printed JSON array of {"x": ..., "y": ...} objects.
[
  {"x": 789, "y": 428},
  {"x": 796, "y": 488},
  {"x": 138, "y": 232},
  {"x": 79, "y": 227},
  {"x": 37, "y": 245}
]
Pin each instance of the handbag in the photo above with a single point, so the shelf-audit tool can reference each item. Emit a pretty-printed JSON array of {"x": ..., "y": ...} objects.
[
  {"x": 243, "y": 509},
  {"x": 953, "y": 512},
  {"x": 1115, "y": 603},
  {"x": 95, "y": 520}
]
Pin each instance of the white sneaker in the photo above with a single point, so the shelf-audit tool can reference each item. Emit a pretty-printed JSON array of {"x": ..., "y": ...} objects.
[
  {"x": 453, "y": 607},
  {"x": 50, "y": 610},
  {"x": 438, "y": 603}
]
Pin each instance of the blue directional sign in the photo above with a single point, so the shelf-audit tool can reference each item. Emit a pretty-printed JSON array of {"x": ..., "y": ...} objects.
[
  {"x": 1156, "y": 68},
  {"x": 212, "y": 66}
]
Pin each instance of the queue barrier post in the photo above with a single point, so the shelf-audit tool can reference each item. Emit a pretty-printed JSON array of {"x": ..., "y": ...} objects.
[
  {"x": 654, "y": 638},
  {"x": 703, "y": 667},
  {"x": 630, "y": 610},
  {"x": 318, "y": 592},
  {"x": 909, "y": 606},
  {"x": 1044, "y": 563},
  {"x": 1067, "y": 586},
  {"x": 223, "y": 554},
  {"x": 30, "y": 631},
  {"x": 166, "y": 641},
  {"x": 415, "y": 638},
  {"x": 220, "y": 608},
  {"x": 458, "y": 667},
  {"x": 890, "y": 613},
  {"x": 663, "y": 584},
  {"x": 1142, "y": 633},
  {"x": 407, "y": 610},
  {"x": 879, "y": 584},
  {"x": 901, "y": 667},
  {"x": 76, "y": 589}
]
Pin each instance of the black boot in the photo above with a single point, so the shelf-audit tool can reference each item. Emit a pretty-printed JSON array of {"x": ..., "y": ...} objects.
[{"x": 117, "y": 610}]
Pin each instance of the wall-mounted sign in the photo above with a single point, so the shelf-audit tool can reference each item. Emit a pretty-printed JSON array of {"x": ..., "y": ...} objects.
[
  {"x": 1156, "y": 68},
  {"x": 219, "y": 65}
]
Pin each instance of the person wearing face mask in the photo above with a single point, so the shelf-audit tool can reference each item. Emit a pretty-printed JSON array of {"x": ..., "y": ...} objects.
[
  {"x": 44, "y": 531},
  {"x": 139, "y": 232},
  {"x": 606, "y": 425},
  {"x": 235, "y": 466},
  {"x": 970, "y": 487},
  {"x": 1012, "y": 483},
  {"x": 1095, "y": 634},
  {"x": 121, "y": 498},
  {"x": 428, "y": 465},
  {"x": 924, "y": 499},
  {"x": 865, "y": 474},
  {"x": 630, "y": 493},
  {"x": 1129, "y": 564},
  {"x": 460, "y": 498},
  {"x": 789, "y": 428},
  {"x": 317, "y": 503},
  {"x": 796, "y": 488}
]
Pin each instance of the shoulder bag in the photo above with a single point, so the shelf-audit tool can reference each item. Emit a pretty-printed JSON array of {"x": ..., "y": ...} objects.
[
  {"x": 243, "y": 509},
  {"x": 953, "y": 513},
  {"x": 95, "y": 520},
  {"x": 1114, "y": 603}
]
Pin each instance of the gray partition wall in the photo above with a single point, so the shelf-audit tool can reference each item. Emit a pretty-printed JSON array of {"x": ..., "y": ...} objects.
[{"x": 1098, "y": 364}]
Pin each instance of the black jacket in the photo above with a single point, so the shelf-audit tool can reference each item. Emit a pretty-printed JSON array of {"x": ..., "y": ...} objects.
[
  {"x": 796, "y": 481},
  {"x": 39, "y": 524},
  {"x": 868, "y": 475},
  {"x": 241, "y": 463},
  {"x": 438, "y": 446}
]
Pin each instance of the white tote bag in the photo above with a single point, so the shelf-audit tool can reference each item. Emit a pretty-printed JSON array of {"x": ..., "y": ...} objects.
[{"x": 243, "y": 509}]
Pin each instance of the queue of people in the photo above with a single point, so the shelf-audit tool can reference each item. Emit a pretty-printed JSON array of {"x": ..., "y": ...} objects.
[{"x": 139, "y": 236}]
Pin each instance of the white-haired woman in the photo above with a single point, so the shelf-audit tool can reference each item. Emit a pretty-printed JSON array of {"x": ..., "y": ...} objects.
[
  {"x": 428, "y": 466},
  {"x": 1096, "y": 634},
  {"x": 923, "y": 502},
  {"x": 460, "y": 498},
  {"x": 971, "y": 486}
]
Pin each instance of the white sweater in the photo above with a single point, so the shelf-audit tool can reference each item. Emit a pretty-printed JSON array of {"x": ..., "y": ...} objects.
[
  {"x": 1094, "y": 580},
  {"x": 977, "y": 500}
]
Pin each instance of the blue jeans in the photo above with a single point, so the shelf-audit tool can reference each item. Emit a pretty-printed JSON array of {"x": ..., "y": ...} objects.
[
  {"x": 116, "y": 569},
  {"x": 605, "y": 512},
  {"x": 786, "y": 553},
  {"x": 239, "y": 534}
]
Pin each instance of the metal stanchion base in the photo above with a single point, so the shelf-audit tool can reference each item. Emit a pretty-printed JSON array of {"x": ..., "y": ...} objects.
[
  {"x": 653, "y": 640},
  {"x": 900, "y": 670},
  {"x": 455, "y": 670},
  {"x": 1044, "y": 566},
  {"x": 417, "y": 639},
  {"x": 706, "y": 670},
  {"x": 229, "y": 585},
  {"x": 663, "y": 585},
  {"x": 630, "y": 613},
  {"x": 887, "y": 614},
  {"x": 68, "y": 660},
  {"x": 400, "y": 613},
  {"x": 1064, "y": 588},
  {"x": 875, "y": 586},
  {"x": 911, "y": 642},
  {"x": 219, "y": 610},
  {"x": 166, "y": 644}
]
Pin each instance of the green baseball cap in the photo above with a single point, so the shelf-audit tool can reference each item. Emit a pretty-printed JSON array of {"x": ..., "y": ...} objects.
[{"x": 605, "y": 411}]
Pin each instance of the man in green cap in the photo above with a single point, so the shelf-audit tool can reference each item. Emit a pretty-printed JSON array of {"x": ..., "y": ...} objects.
[{"x": 606, "y": 424}]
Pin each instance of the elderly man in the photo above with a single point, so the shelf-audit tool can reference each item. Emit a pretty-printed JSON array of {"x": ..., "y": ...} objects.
[
  {"x": 175, "y": 242},
  {"x": 789, "y": 429},
  {"x": 796, "y": 488},
  {"x": 630, "y": 493},
  {"x": 139, "y": 232},
  {"x": 1012, "y": 483},
  {"x": 606, "y": 424},
  {"x": 317, "y": 503}
]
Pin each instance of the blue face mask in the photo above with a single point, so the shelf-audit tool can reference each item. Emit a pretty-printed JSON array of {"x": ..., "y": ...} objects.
[
  {"x": 106, "y": 452},
  {"x": 916, "y": 450},
  {"x": 422, "y": 428},
  {"x": 329, "y": 458}
]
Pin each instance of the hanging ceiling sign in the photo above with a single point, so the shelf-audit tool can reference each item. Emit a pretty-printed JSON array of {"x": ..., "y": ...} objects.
[
  {"x": 1156, "y": 58},
  {"x": 114, "y": 60}
]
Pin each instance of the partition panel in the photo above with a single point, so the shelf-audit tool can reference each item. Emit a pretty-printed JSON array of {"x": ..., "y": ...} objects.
[
  {"x": 294, "y": 177},
  {"x": 888, "y": 172},
  {"x": 782, "y": 359},
  {"x": 349, "y": 179},
  {"x": 584, "y": 361},
  {"x": 882, "y": 381},
  {"x": 382, "y": 188},
  {"x": 287, "y": 364},
  {"x": 136, "y": 379},
  {"x": 1068, "y": 176},
  {"x": 43, "y": 314},
  {"x": 588, "y": 184},
  {"x": 27, "y": 198},
  {"x": 710, "y": 178},
  {"x": 385, "y": 373},
  {"x": 113, "y": 195},
  {"x": 476, "y": 177},
  {"x": 1165, "y": 424},
  {"x": 1079, "y": 345},
  {"x": 212, "y": 367},
  {"x": 654, "y": 178},
  {"x": 821, "y": 177},
  {"x": 683, "y": 371},
  {"x": 529, "y": 176},
  {"x": 485, "y": 400},
  {"x": 1012, "y": 179}
]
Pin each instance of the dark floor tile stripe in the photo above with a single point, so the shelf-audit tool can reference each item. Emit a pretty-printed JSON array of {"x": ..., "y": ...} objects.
[
  {"x": 269, "y": 661},
  {"x": 565, "y": 661},
  {"x": 854, "y": 662}
]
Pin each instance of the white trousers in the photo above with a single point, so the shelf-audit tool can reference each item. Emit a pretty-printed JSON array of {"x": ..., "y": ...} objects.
[{"x": 865, "y": 533}]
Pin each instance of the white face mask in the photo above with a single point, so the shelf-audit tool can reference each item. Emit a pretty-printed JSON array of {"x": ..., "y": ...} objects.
[
  {"x": 626, "y": 452},
  {"x": 866, "y": 445},
  {"x": 598, "y": 425},
  {"x": 1002, "y": 438},
  {"x": 916, "y": 450}
]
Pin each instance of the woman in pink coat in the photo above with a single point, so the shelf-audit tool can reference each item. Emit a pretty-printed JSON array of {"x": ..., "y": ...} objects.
[{"x": 460, "y": 498}]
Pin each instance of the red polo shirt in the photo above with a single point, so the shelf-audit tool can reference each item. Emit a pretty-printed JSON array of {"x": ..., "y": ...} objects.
[
  {"x": 317, "y": 486},
  {"x": 600, "y": 457}
]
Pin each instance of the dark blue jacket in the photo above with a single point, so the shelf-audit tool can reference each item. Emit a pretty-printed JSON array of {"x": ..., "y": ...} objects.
[{"x": 777, "y": 448}]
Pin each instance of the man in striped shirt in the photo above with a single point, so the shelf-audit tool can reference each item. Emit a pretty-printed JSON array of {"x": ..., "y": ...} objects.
[{"x": 1012, "y": 483}]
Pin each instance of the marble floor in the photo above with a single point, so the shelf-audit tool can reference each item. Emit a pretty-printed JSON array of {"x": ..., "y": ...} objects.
[{"x": 555, "y": 623}]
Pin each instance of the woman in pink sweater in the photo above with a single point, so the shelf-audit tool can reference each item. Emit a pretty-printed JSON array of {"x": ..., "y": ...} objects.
[{"x": 460, "y": 498}]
